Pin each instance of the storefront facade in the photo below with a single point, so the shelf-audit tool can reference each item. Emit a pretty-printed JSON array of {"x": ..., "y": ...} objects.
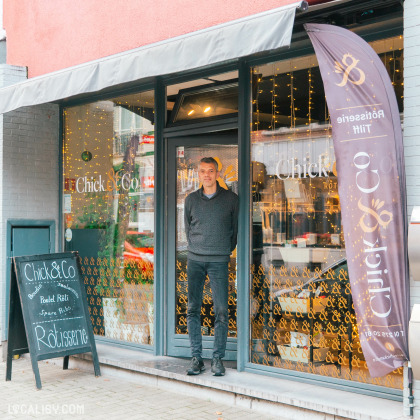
[{"x": 128, "y": 158}]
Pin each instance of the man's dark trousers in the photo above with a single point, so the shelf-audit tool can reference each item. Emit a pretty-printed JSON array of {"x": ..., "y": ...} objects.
[{"x": 219, "y": 281}]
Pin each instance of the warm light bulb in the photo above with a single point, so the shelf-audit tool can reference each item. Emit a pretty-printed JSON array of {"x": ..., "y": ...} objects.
[
  {"x": 207, "y": 109},
  {"x": 191, "y": 112}
]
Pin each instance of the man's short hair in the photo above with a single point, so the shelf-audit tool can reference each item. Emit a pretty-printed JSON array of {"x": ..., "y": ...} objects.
[{"x": 210, "y": 160}]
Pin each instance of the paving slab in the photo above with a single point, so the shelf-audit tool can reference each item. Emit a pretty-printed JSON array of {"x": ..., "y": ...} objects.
[
  {"x": 78, "y": 394},
  {"x": 290, "y": 399}
]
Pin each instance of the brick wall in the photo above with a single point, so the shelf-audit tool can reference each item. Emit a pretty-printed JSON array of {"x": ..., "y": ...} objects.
[
  {"x": 10, "y": 75},
  {"x": 29, "y": 170},
  {"x": 412, "y": 133}
]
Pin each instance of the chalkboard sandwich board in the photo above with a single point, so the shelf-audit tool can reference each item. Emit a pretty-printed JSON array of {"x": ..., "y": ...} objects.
[{"x": 48, "y": 313}]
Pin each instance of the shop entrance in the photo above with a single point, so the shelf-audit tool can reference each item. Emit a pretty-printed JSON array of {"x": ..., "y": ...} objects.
[{"x": 184, "y": 154}]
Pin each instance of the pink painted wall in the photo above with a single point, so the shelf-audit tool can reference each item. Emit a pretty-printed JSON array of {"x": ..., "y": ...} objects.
[{"x": 48, "y": 35}]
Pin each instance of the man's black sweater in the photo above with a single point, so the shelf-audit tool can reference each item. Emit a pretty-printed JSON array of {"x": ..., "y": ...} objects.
[{"x": 211, "y": 224}]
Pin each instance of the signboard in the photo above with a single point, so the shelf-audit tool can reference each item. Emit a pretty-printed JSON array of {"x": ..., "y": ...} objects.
[
  {"x": 48, "y": 311},
  {"x": 369, "y": 150}
]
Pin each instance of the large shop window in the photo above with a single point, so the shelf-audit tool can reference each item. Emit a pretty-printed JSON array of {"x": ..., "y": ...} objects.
[
  {"x": 108, "y": 209},
  {"x": 302, "y": 315}
]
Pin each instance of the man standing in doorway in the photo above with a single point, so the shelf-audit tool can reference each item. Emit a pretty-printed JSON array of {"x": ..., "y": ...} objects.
[{"x": 211, "y": 225}]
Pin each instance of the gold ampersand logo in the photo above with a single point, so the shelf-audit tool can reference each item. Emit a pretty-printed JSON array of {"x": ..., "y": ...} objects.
[
  {"x": 228, "y": 175},
  {"x": 347, "y": 68},
  {"x": 384, "y": 218}
]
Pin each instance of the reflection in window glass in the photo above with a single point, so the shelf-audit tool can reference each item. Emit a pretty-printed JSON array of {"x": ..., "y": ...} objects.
[
  {"x": 302, "y": 316},
  {"x": 109, "y": 211}
]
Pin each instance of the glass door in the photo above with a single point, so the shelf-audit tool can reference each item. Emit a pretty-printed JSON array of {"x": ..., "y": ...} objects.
[{"x": 184, "y": 156}]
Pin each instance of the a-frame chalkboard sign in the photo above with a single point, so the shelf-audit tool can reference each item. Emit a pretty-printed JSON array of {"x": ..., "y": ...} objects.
[{"x": 48, "y": 313}]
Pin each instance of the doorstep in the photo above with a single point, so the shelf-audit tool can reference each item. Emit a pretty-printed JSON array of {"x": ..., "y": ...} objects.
[{"x": 275, "y": 396}]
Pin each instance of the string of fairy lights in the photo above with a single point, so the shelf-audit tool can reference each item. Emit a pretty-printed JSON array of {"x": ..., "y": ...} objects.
[
  {"x": 91, "y": 154},
  {"x": 87, "y": 151},
  {"x": 273, "y": 85}
]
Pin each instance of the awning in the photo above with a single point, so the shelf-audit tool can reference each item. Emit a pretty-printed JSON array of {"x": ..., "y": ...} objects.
[{"x": 223, "y": 43}]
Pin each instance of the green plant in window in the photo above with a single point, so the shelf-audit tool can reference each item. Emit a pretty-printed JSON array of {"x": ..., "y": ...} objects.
[
  {"x": 113, "y": 242},
  {"x": 95, "y": 213}
]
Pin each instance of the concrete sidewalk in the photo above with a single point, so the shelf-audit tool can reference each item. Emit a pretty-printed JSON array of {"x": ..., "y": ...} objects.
[
  {"x": 246, "y": 390},
  {"x": 77, "y": 394}
]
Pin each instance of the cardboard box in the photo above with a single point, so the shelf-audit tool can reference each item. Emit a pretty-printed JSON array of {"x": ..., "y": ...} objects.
[
  {"x": 301, "y": 242},
  {"x": 296, "y": 354},
  {"x": 311, "y": 238},
  {"x": 335, "y": 239},
  {"x": 294, "y": 304}
]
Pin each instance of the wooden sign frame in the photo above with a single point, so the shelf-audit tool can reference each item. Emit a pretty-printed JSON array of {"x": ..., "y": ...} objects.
[{"x": 23, "y": 336}]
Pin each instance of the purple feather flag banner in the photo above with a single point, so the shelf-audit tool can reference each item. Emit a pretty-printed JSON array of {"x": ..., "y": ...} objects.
[{"x": 368, "y": 145}]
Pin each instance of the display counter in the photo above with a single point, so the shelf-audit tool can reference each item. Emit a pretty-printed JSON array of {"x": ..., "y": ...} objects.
[{"x": 306, "y": 256}]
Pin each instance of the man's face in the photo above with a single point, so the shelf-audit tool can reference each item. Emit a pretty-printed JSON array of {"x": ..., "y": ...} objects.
[{"x": 207, "y": 174}]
